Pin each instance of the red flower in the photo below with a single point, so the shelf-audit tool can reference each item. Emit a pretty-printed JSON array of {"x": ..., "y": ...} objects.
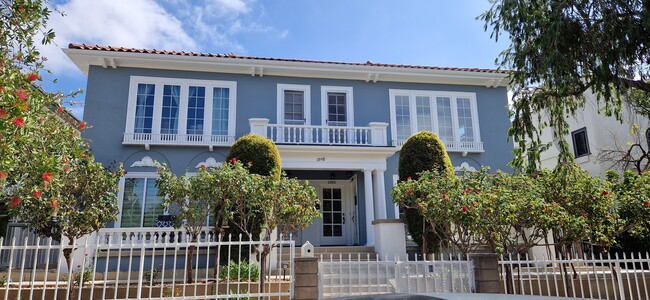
[
  {"x": 15, "y": 201},
  {"x": 445, "y": 197},
  {"x": 67, "y": 169},
  {"x": 59, "y": 109},
  {"x": 3, "y": 175},
  {"x": 464, "y": 208},
  {"x": 467, "y": 191},
  {"x": 55, "y": 204},
  {"x": 473, "y": 203},
  {"x": 233, "y": 160},
  {"x": 3, "y": 113},
  {"x": 21, "y": 94},
  {"x": 19, "y": 122},
  {"x": 584, "y": 215},
  {"x": 476, "y": 192},
  {"x": 47, "y": 177},
  {"x": 646, "y": 203},
  {"x": 82, "y": 125},
  {"x": 37, "y": 194},
  {"x": 204, "y": 167},
  {"x": 32, "y": 76},
  {"x": 605, "y": 193},
  {"x": 408, "y": 178}
]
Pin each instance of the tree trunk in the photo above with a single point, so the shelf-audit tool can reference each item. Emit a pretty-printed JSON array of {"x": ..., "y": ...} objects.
[
  {"x": 263, "y": 257},
  {"x": 189, "y": 265},
  {"x": 67, "y": 254}
]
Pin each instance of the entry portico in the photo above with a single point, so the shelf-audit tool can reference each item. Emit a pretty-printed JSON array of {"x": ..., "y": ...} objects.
[{"x": 370, "y": 161}]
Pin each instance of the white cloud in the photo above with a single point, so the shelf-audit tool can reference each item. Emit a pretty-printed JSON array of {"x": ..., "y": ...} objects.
[{"x": 134, "y": 23}]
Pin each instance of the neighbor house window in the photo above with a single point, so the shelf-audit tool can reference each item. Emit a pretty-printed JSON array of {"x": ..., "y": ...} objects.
[
  {"x": 580, "y": 142},
  {"x": 451, "y": 115},
  {"x": 140, "y": 204},
  {"x": 171, "y": 106}
]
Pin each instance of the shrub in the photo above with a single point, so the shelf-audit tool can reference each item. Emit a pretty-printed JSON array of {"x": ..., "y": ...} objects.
[
  {"x": 422, "y": 152},
  {"x": 244, "y": 270},
  {"x": 260, "y": 152}
]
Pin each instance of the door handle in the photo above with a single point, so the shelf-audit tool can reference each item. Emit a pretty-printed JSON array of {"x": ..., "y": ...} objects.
[{"x": 343, "y": 214}]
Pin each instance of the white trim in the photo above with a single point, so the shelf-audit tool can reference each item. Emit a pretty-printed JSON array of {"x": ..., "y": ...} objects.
[
  {"x": 146, "y": 161},
  {"x": 453, "y": 96},
  {"x": 185, "y": 83},
  {"x": 306, "y": 89},
  {"x": 209, "y": 162},
  {"x": 85, "y": 58},
  {"x": 349, "y": 102},
  {"x": 298, "y": 157}
]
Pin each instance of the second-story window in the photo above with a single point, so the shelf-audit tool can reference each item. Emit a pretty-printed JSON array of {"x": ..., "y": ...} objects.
[
  {"x": 162, "y": 109},
  {"x": 452, "y": 115},
  {"x": 294, "y": 104}
]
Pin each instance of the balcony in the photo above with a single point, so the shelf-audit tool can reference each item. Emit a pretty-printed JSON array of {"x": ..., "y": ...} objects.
[
  {"x": 372, "y": 135},
  {"x": 454, "y": 146},
  {"x": 148, "y": 139}
]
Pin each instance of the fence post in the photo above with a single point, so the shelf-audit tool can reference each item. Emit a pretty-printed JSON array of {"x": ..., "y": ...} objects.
[
  {"x": 306, "y": 278},
  {"x": 486, "y": 272}
]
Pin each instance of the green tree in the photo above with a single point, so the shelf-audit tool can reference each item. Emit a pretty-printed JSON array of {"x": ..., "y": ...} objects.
[
  {"x": 422, "y": 152},
  {"x": 258, "y": 154},
  {"x": 191, "y": 197},
  {"x": 561, "y": 49}
]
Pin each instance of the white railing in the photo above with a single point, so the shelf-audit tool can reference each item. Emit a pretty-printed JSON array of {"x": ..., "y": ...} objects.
[
  {"x": 357, "y": 276},
  {"x": 177, "y": 139},
  {"x": 595, "y": 277},
  {"x": 153, "y": 268},
  {"x": 453, "y": 146},
  {"x": 373, "y": 135}
]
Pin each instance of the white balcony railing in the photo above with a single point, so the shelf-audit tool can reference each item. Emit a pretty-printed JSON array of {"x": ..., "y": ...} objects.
[
  {"x": 453, "y": 146},
  {"x": 373, "y": 135},
  {"x": 177, "y": 139}
]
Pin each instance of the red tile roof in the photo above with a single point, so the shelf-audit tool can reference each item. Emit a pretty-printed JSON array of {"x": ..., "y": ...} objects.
[{"x": 234, "y": 56}]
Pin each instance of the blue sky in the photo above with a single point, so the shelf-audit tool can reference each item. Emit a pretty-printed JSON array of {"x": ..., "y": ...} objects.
[{"x": 419, "y": 32}]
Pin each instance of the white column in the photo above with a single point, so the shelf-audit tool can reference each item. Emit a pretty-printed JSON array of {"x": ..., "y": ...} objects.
[
  {"x": 380, "y": 194},
  {"x": 370, "y": 210}
]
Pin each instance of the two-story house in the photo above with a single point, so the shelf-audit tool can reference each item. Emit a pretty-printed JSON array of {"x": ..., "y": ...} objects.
[{"x": 339, "y": 125}]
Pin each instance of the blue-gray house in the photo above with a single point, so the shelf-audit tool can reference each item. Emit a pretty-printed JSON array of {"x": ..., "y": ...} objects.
[{"x": 339, "y": 125}]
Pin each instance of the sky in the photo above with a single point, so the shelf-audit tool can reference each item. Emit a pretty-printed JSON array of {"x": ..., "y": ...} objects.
[{"x": 418, "y": 32}]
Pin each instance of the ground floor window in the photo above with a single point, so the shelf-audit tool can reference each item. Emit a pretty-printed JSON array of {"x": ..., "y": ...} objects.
[{"x": 141, "y": 205}]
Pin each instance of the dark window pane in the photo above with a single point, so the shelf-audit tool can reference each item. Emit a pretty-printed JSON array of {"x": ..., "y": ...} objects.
[
  {"x": 338, "y": 218},
  {"x": 327, "y": 193},
  {"x": 337, "y": 206},
  {"x": 327, "y": 205},
  {"x": 327, "y": 230},
  {"x": 337, "y": 194},
  {"x": 338, "y": 230},
  {"x": 327, "y": 218}
]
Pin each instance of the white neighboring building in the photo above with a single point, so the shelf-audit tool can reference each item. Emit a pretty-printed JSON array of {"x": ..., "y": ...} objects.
[{"x": 592, "y": 135}]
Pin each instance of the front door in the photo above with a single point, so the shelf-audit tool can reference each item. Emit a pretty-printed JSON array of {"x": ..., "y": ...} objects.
[{"x": 333, "y": 202}]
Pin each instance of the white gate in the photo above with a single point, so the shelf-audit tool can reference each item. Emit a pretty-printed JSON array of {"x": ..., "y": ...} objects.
[{"x": 349, "y": 277}]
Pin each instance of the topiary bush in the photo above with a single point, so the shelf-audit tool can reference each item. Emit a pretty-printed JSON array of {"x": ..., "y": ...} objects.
[
  {"x": 260, "y": 152},
  {"x": 422, "y": 151}
]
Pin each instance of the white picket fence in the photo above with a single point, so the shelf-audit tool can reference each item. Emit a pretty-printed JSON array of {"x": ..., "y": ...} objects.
[
  {"x": 343, "y": 277},
  {"x": 596, "y": 277},
  {"x": 145, "y": 265}
]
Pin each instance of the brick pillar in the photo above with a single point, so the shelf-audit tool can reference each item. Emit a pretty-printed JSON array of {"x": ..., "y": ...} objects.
[
  {"x": 306, "y": 278},
  {"x": 486, "y": 272}
]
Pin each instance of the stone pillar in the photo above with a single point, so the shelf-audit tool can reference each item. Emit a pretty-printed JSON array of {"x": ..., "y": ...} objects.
[
  {"x": 486, "y": 272},
  {"x": 306, "y": 279},
  {"x": 390, "y": 239},
  {"x": 380, "y": 194},
  {"x": 370, "y": 209}
]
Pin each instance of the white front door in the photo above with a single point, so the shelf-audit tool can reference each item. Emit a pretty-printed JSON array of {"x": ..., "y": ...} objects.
[{"x": 333, "y": 208}]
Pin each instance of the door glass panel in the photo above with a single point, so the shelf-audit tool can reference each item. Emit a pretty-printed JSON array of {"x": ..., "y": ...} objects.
[
  {"x": 333, "y": 219},
  {"x": 423, "y": 108},
  {"x": 403, "y": 117},
  {"x": 445, "y": 125},
  {"x": 465, "y": 126}
]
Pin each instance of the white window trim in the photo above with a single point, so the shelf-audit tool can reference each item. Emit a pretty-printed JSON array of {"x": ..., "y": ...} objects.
[
  {"x": 306, "y": 89},
  {"x": 349, "y": 102},
  {"x": 434, "y": 116},
  {"x": 120, "y": 198},
  {"x": 182, "y": 109}
]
